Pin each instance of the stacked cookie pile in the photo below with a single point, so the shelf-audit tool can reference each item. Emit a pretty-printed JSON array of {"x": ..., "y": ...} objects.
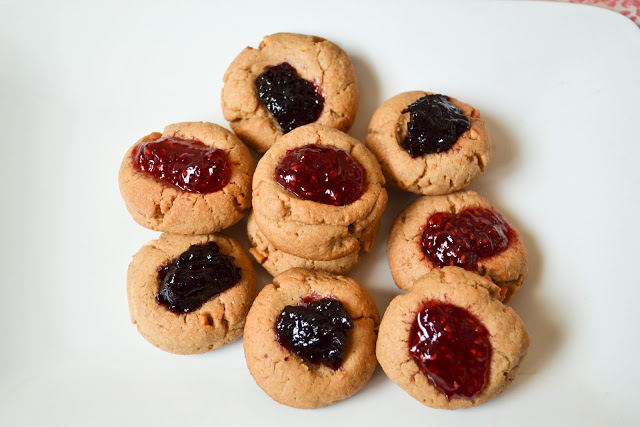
[
  {"x": 304, "y": 214},
  {"x": 318, "y": 194}
]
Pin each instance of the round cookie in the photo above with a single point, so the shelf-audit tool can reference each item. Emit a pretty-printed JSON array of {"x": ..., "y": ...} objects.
[
  {"x": 315, "y": 60},
  {"x": 282, "y": 374},
  {"x": 310, "y": 229},
  {"x": 430, "y": 174},
  {"x": 161, "y": 206},
  {"x": 407, "y": 261},
  {"x": 217, "y": 322},
  {"x": 276, "y": 261},
  {"x": 507, "y": 335}
]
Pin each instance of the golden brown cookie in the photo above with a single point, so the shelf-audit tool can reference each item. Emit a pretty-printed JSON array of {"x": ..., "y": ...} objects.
[
  {"x": 276, "y": 261},
  {"x": 174, "y": 322},
  {"x": 314, "y": 59},
  {"x": 285, "y": 375},
  {"x": 431, "y": 174},
  {"x": 162, "y": 206},
  {"x": 465, "y": 328},
  {"x": 408, "y": 260},
  {"x": 310, "y": 229}
]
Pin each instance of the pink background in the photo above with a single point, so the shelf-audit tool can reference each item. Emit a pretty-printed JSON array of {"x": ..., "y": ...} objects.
[{"x": 628, "y": 8}]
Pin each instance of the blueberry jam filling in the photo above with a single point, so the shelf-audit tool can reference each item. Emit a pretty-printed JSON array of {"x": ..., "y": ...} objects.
[
  {"x": 195, "y": 276},
  {"x": 435, "y": 125},
  {"x": 291, "y": 100},
  {"x": 188, "y": 165},
  {"x": 321, "y": 174},
  {"x": 452, "y": 348},
  {"x": 315, "y": 330}
]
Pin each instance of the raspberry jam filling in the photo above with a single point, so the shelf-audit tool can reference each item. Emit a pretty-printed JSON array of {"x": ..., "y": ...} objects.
[
  {"x": 188, "y": 165},
  {"x": 291, "y": 100},
  {"x": 315, "y": 330},
  {"x": 321, "y": 174},
  {"x": 452, "y": 348},
  {"x": 435, "y": 125},
  {"x": 195, "y": 277},
  {"x": 464, "y": 238}
]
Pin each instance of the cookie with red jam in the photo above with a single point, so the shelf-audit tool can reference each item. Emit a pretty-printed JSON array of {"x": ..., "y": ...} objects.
[
  {"x": 450, "y": 343},
  {"x": 318, "y": 194},
  {"x": 190, "y": 294},
  {"x": 460, "y": 229},
  {"x": 310, "y": 338},
  {"x": 194, "y": 178},
  {"x": 291, "y": 80},
  {"x": 429, "y": 143}
]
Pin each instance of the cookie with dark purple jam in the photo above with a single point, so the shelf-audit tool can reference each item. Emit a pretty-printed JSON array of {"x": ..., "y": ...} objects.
[
  {"x": 429, "y": 143},
  {"x": 291, "y": 80},
  {"x": 190, "y": 294},
  {"x": 315, "y": 330},
  {"x": 310, "y": 338}
]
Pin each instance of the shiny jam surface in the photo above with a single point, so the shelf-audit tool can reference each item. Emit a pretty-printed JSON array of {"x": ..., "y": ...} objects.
[
  {"x": 195, "y": 276},
  {"x": 321, "y": 174},
  {"x": 291, "y": 100},
  {"x": 452, "y": 348},
  {"x": 464, "y": 238},
  {"x": 435, "y": 125},
  {"x": 315, "y": 330},
  {"x": 188, "y": 165}
]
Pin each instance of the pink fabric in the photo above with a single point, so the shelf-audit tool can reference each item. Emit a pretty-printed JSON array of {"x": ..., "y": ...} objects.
[{"x": 628, "y": 8}]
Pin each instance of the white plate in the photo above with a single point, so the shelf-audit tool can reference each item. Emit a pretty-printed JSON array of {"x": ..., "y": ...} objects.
[{"x": 559, "y": 85}]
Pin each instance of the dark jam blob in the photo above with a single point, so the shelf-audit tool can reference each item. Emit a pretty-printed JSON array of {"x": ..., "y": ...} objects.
[
  {"x": 452, "y": 348},
  {"x": 291, "y": 100},
  {"x": 321, "y": 174},
  {"x": 435, "y": 125},
  {"x": 315, "y": 330},
  {"x": 195, "y": 276},
  {"x": 464, "y": 238},
  {"x": 189, "y": 165}
]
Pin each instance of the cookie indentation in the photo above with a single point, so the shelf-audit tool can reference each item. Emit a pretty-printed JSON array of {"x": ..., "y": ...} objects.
[
  {"x": 434, "y": 127},
  {"x": 315, "y": 330},
  {"x": 321, "y": 174},
  {"x": 464, "y": 238},
  {"x": 291, "y": 100},
  {"x": 195, "y": 276},
  {"x": 188, "y": 165},
  {"x": 452, "y": 348}
]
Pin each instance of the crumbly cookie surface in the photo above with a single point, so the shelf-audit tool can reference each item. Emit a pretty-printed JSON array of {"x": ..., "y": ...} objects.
[
  {"x": 276, "y": 261},
  {"x": 431, "y": 174},
  {"x": 283, "y": 375},
  {"x": 316, "y": 60},
  {"x": 408, "y": 262},
  {"x": 314, "y": 230},
  {"x": 219, "y": 321},
  {"x": 163, "y": 207},
  {"x": 452, "y": 285}
]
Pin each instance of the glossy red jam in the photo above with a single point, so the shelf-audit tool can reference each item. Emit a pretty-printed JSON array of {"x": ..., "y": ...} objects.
[
  {"x": 315, "y": 330},
  {"x": 188, "y": 165},
  {"x": 452, "y": 348},
  {"x": 291, "y": 100},
  {"x": 464, "y": 238},
  {"x": 321, "y": 174}
]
